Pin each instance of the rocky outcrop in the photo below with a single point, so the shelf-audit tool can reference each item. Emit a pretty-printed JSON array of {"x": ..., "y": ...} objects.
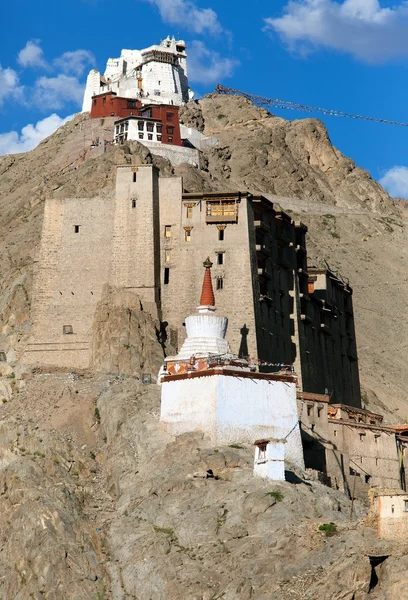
[
  {"x": 49, "y": 546},
  {"x": 125, "y": 336},
  {"x": 192, "y": 521}
]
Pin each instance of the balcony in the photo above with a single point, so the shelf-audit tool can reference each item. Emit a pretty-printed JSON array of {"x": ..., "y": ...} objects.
[
  {"x": 262, "y": 248},
  {"x": 261, "y": 224},
  {"x": 221, "y": 212}
]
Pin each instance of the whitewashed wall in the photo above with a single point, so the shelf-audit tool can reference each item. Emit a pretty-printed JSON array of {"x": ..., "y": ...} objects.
[{"x": 233, "y": 410}]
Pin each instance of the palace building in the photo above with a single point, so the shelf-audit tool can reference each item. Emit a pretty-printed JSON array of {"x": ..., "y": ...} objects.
[
  {"x": 290, "y": 326},
  {"x": 155, "y": 75}
]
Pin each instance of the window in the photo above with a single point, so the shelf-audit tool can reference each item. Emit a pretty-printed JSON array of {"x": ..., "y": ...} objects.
[
  {"x": 309, "y": 410},
  {"x": 187, "y": 235},
  {"x": 222, "y": 209},
  {"x": 169, "y": 116},
  {"x": 159, "y": 138},
  {"x": 104, "y": 100},
  {"x": 362, "y": 437},
  {"x": 367, "y": 478},
  {"x": 335, "y": 433},
  {"x": 405, "y": 505},
  {"x": 76, "y": 228},
  {"x": 170, "y": 138},
  {"x": 134, "y": 177},
  {"x": 221, "y": 235},
  {"x": 167, "y": 231},
  {"x": 166, "y": 276},
  {"x": 220, "y": 283},
  {"x": 319, "y": 411},
  {"x": 220, "y": 258},
  {"x": 149, "y": 126},
  {"x": 94, "y": 102},
  {"x": 141, "y": 136},
  {"x": 149, "y": 136},
  {"x": 170, "y": 129},
  {"x": 131, "y": 103},
  {"x": 140, "y": 125},
  {"x": 167, "y": 256},
  {"x": 261, "y": 452},
  {"x": 159, "y": 128},
  {"x": 147, "y": 112},
  {"x": 189, "y": 212},
  {"x": 133, "y": 203},
  {"x": 67, "y": 329}
]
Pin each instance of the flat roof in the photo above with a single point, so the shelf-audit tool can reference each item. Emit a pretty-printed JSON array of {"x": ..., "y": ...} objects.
[{"x": 138, "y": 118}]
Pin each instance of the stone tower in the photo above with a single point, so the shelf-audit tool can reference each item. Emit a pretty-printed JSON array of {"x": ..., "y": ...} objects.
[{"x": 136, "y": 234}]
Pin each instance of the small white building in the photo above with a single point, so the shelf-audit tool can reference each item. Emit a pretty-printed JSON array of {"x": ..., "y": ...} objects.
[
  {"x": 138, "y": 128},
  {"x": 157, "y": 74},
  {"x": 204, "y": 388},
  {"x": 389, "y": 507}
]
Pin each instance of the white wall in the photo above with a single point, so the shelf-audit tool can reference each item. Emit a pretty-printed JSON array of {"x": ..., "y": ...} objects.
[
  {"x": 231, "y": 410},
  {"x": 273, "y": 465},
  {"x": 170, "y": 80},
  {"x": 196, "y": 138},
  {"x": 177, "y": 155}
]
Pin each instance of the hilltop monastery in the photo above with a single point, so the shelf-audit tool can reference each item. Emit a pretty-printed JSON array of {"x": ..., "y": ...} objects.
[{"x": 290, "y": 325}]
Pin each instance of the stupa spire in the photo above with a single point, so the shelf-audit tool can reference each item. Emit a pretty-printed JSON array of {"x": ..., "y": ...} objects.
[{"x": 207, "y": 293}]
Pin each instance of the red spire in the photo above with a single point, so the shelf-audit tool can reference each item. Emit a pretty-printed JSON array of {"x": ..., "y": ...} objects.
[{"x": 207, "y": 293}]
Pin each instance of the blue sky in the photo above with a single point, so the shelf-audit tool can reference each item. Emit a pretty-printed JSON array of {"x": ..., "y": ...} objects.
[{"x": 346, "y": 54}]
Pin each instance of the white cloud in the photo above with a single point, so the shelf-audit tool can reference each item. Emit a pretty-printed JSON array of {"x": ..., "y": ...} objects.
[
  {"x": 207, "y": 66},
  {"x": 395, "y": 181},
  {"x": 54, "y": 92},
  {"x": 185, "y": 13},
  {"x": 9, "y": 84},
  {"x": 31, "y": 55},
  {"x": 31, "y": 135},
  {"x": 358, "y": 27},
  {"x": 74, "y": 62}
]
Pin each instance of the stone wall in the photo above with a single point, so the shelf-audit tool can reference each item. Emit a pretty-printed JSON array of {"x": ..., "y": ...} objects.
[
  {"x": 180, "y": 296},
  {"x": 392, "y": 514},
  {"x": 73, "y": 265},
  {"x": 356, "y": 456},
  {"x": 135, "y": 233}
]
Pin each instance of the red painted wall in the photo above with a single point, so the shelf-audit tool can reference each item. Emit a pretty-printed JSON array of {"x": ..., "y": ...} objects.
[
  {"x": 169, "y": 116},
  {"x": 111, "y": 105}
]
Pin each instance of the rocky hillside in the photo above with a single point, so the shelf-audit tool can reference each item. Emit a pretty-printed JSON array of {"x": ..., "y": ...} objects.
[
  {"x": 98, "y": 502},
  {"x": 354, "y": 226}
]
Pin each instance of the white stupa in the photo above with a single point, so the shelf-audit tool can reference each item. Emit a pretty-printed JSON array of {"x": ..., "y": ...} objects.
[
  {"x": 204, "y": 388},
  {"x": 205, "y": 330}
]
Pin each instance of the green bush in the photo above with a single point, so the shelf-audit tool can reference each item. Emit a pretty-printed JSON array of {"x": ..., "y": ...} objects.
[
  {"x": 328, "y": 528},
  {"x": 277, "y": 495}
]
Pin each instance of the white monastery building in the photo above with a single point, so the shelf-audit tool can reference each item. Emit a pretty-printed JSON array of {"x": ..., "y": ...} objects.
[
  {"x": 205, "y": 388},
  {"x": 157, "y": 74}
]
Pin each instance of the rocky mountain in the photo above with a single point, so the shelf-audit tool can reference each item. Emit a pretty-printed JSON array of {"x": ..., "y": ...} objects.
[{"x": 97, "y": 501}]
